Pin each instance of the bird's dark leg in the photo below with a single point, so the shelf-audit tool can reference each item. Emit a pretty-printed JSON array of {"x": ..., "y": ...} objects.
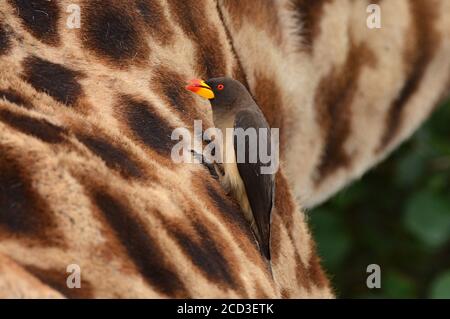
[
  {"x": 219, "y": 169},
  {"x": 210, "y": 166}
]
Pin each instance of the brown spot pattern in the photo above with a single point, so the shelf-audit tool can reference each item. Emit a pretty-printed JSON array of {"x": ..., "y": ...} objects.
[
  {"x": 230, "y": 214},
  {"x": 40, "y": 18},
  {"x": 157, "y": 25},
  {"x": 113, "y": 156},
  {"x": 56, "y": 80},
  {"x": 147, "y": 126},
  {"x": 308, "y": 14},
  {"x": 268, "y": 98},
  {"x": 57, "y": 279},
  {"x": 5, "y": 41},
  {"x": 170, "y": 85},
  {"x": 333, "y": 100},
  {"x": 262, "y": 13},
  {"x": 228, "y": 209},
  {"x": 315, "y": 272},
  {"x": 23, "y": 212},
  {"x": 284, "y": 204},
  {"x": 301, "y": 273},
  {"x": 148, "y": 257},
  {"x": 285, "y": 209},
  {"x": 114, "y": 33},
  {"x": 205, "y": 254},
  {"x": 425, "y": 41},
  {"x": 15, "y": 97},
  {"x": 38, "y": 128},
  {"x": 196, "y": 26}
]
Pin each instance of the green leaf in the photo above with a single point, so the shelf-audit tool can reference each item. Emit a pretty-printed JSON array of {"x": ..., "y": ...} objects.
[
  {"x": 440, "y": 288},
  {"x": 409, "y": 169},
  {"x": 428, "y": 217},
  {"x": 437, "y": 182},
  {"x": 332, "y": 239},
  {"x": 397, "y": 285}
]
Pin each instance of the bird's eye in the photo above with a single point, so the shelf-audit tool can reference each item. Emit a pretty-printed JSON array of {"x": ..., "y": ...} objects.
[{"x": 220, "y": 87}]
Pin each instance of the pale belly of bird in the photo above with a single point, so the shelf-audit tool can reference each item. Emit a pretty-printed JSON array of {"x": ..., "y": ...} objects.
[{"x": 232, "y": 182}]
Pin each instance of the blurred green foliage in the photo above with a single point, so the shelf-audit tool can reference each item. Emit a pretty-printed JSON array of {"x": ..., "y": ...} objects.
[{"x": 396, "y": 216}]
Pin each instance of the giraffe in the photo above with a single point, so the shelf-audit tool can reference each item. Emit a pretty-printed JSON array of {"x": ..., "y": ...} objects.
[{"x": 86, "y": 116}]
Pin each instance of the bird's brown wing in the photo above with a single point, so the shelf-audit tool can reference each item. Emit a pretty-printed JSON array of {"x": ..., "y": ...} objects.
[{"x": 260, "y": 188}]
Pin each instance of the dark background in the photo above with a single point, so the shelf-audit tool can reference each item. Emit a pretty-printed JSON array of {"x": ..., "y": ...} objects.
[{"x": 396, "y": 216}]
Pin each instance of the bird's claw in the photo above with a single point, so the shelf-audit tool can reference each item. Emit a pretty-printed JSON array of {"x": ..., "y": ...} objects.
[{"x": 210, "y": 166}]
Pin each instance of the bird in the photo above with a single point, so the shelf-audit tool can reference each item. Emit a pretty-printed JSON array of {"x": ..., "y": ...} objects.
[{"x": 233, "y": 108}]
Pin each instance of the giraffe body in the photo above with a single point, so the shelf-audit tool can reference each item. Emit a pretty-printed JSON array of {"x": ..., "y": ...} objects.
[{"x": 86, "y": 116}]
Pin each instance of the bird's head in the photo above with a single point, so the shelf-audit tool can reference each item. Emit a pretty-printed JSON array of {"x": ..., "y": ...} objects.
[{"x": 222, "y": 92}]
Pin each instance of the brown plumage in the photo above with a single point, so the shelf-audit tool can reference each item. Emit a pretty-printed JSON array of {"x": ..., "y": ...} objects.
[{"x": 233, "y": 109}]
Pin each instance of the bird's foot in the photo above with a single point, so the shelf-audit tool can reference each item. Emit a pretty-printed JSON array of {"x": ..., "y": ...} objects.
[
  {"x": 219, "y": 169},
  {"x": 210, "y": 166}
]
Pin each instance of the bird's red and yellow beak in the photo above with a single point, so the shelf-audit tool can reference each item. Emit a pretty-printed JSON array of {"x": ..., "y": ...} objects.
[{"x": 201, "y": 88}]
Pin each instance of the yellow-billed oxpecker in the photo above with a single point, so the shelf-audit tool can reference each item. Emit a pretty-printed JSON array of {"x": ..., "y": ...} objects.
[{"x": 235, "y": 110}]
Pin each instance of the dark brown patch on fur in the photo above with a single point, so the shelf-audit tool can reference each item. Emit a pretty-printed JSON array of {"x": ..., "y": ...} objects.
[
  {"x": 15, "y": 97},
  {"x": 38, "y": 128},
  {"x": 147, "y": 126},
  {"x": 40, "y": 18},
  {"x": 233, "y": 218},
  {"x": 23, "y": 212},
  {"x": 284, "y": 209},
  {"x": 301, "y": 273},
  {"x": 284, "y": 202},
  {"x": 142, "y": 249},
  {"x": 229, "y": 210},
  {"x": 308, "y": 14},
  {"x": 171, "y": 86},
  {"x": 333, "y": 99},
  {"x": 5, "y": 42},
  {"x": 275, "y": 240},
  {"x": 113, "y": 156},
  {"x": 262, "y": 13},
  {"x": 206, "y": 255},
  {"x": 417, "y": 57},
  {"x": 239, "y": 74},
  {"x": 268, "y": 98},
  {"x": 155, "y": 20},
  {"x": 54, "y": 79},
  {"x": 114, "y": 33},
  {"x": 194, "y": 22},
  {"x": 57, "y": 279}
]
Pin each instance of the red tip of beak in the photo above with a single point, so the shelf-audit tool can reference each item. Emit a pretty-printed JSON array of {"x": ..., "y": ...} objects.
[{"x": 194, "y": 85}]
